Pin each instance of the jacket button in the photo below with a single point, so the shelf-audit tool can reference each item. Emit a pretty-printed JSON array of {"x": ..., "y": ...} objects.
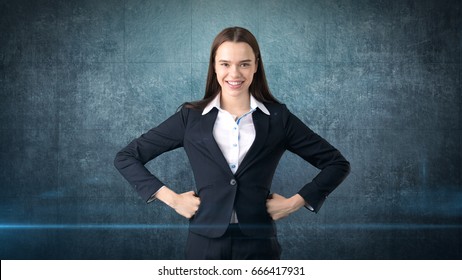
[{"x": 233, "y": 182}]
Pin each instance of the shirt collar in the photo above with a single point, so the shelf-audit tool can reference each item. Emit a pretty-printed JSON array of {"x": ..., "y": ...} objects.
[{"x": 254, "y": 104}]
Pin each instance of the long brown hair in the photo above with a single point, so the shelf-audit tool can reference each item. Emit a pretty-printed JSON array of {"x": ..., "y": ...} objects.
[{"x": 259, "y": 87}]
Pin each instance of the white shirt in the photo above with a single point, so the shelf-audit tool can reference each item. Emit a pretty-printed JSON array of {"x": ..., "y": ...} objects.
[{"x": 234, "y": 135}]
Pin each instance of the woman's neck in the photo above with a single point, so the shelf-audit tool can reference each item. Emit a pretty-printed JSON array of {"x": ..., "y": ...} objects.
[{"x": 235, "y": 105}]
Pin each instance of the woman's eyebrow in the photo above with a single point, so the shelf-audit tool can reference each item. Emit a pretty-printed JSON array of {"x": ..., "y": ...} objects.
[{"x": 245, "y": 60}]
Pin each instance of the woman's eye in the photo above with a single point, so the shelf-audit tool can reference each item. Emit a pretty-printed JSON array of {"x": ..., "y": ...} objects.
[
  {"x": 225, "y": 64},
  {"x": 244, "y": 65}
]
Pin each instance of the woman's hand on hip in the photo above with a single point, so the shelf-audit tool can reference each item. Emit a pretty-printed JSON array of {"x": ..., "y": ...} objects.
[
  {"x": 279, "y": 207},
  {"x": 186, "y": 204}
]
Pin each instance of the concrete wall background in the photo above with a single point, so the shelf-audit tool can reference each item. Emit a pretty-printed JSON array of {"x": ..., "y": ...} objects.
[{"x": 379, "y": 79}]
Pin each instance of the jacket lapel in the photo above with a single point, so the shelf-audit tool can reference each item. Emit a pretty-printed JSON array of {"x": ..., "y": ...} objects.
[
  {"x": 261, "y": 123},
  {"x": 207, "y": 131}
]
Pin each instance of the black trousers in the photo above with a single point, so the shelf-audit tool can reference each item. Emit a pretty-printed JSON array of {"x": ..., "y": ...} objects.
[{"x": 233, "y": 245}]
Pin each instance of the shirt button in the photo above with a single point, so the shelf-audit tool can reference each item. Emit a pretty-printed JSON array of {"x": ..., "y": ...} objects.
[
  {"x": 233, "y": 182},
  {"x": 234, "y": 145},
  {"x": 233, "y": 166}
]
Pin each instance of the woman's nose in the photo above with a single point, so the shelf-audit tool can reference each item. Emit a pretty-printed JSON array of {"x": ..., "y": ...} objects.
[{"x": 234, "y": 71}]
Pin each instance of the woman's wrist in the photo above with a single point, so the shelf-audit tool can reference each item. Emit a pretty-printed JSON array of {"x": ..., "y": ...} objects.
[
  {"x": 167, "y": 196},
  {"x": 297, "y": 202}
]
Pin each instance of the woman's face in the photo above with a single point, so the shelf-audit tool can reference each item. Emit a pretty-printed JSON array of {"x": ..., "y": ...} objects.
[{"x": 235, "y": 65}]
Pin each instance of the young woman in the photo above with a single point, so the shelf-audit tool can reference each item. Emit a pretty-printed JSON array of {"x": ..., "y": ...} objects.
[{"x": 234, "y": 138}]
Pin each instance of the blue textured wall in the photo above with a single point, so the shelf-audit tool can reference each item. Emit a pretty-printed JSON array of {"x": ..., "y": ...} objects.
[{"x": 378, "y": 79}]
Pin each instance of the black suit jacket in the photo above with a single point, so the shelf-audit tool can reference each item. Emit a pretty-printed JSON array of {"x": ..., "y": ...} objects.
[{"x": 219, "y": 189}]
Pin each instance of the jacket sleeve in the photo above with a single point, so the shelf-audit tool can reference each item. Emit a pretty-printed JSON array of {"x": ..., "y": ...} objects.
[
  {"x": 130, "y": 160},
  {"x": 302, "y": 141}
]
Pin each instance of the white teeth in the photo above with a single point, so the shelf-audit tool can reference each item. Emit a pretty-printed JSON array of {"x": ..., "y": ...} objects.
[{"x": 234, "y": 83}]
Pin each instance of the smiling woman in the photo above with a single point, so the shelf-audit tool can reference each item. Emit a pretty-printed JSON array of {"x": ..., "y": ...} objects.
[
  {"x": 242, "y": 38},
  {"x": 235, "y": 66},
  {"x": 234, "y": 138}
]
